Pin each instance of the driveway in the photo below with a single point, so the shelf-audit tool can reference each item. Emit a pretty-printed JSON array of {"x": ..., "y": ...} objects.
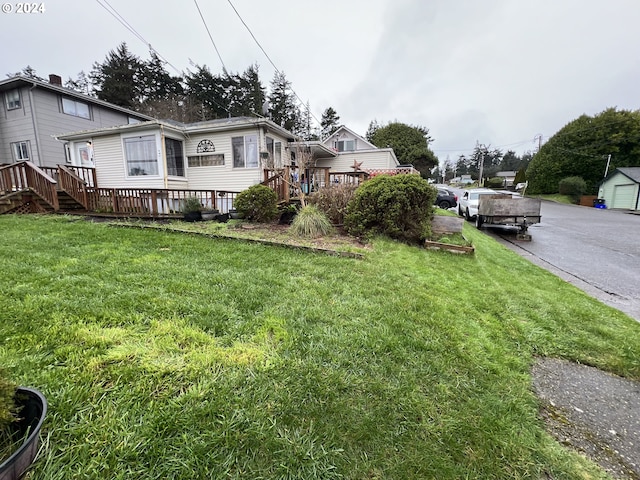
[{"x": 596, "y": 250}]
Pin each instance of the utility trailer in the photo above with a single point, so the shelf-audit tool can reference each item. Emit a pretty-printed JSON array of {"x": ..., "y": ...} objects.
[{"x": 508, "y": 210}]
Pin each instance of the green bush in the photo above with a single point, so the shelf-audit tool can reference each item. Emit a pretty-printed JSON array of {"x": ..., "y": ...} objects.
[
  {"x": 495, "y": 182},
  {"x": 257, "y": 203},
  {"x": 311, "y": 222},
  {"x": 573, "y": 187},
  {"x": 333, "y": 200},
  {"x": 399, "y": 206},
  {"x": 191, "y": 204}
]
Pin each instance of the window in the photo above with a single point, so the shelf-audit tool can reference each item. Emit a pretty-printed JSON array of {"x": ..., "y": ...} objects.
[
  {"x": 20, "y": 151},
  {"x": 346, "y": 145},
  {"x": 245, "y": 151},
  {"x": 275, "y": 151},
  {"x": 141, "y": 155},
  {"x": 206, "y": 160},
  {"x": 13, "y": 99},
  {"x": 76, "y": 108},
  {"x": 175, "y": 158}
]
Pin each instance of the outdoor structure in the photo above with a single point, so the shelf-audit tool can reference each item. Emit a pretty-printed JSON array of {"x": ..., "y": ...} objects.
[
  {"x": 349, "y": 150},
  {"x": 508, "y": 178},
  {"x": 228, "y": 153},
  {"x": 151, "y": 168},
  {"x": 33, "y": 111},
  {"x": 621, "y": 189}
]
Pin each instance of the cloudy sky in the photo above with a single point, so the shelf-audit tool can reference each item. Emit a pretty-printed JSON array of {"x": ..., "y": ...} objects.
[{"x": 498, "y": 72}]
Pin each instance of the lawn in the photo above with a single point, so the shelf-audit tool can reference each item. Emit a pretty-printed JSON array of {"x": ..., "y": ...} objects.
[{"x": 173, "y": 356}]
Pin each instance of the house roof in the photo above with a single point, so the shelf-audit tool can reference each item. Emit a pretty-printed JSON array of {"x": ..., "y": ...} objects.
[
  {"x": 20, "y": 81},
  {"x": 342, "y": 129},
  {"x": 223, "y": 124},
  {"x": 632, "y": 172},
  {"x": 318, "y": 149},
  {"x": 506, "y": 173}
]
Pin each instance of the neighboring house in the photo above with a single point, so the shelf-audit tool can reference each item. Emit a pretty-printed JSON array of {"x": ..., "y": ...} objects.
[
  {"x": 33, "y": 111},
  {"x": 224, "y": 154},
  {"x": 508, "y": 178},
  {"x": 346, "y": 151},
  {"x": 621, "y": 189}
]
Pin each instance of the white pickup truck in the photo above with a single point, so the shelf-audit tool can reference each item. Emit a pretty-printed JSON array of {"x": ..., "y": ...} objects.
[{"x": 468, "y": 201}]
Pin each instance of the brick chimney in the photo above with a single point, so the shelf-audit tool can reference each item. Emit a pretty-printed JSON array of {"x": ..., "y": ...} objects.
[{"x": 55, "y": 79}]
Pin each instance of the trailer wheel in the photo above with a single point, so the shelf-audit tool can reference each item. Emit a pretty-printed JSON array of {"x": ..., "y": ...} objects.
[{"x": 479, "y": 221}]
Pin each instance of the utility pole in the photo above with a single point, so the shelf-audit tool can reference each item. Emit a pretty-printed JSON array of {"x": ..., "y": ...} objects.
[
  {"x": 606, "y": 170},
  {"x": 481, "y": 162}
]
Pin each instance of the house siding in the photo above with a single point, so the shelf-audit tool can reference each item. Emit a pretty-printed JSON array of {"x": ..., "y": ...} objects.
[
  {"x": 16, "y": 126},
  {"x": 619, "y": 191},
  {"x": 226, "y": 177},
  {"x": 371, "y": 159},
  {"x": 40, "y": 121}
]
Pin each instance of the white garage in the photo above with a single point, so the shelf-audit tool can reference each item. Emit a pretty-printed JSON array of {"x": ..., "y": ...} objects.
[{"x": 621, "y": 189}]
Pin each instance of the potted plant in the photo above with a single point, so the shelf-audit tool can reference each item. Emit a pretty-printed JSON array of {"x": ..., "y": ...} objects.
[
  {"x": 209, "y": 213},
  {"x": 192, "y": 209},
  {"x": 22, "y": 412}
]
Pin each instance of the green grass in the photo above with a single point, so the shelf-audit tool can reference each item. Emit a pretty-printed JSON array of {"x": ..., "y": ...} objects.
[
  {"x": 175, "y": 356},
  {"x": 556, "y": 197}
]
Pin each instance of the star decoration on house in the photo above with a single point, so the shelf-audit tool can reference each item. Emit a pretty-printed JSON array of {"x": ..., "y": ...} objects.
[{"x": 356, "y": 166}]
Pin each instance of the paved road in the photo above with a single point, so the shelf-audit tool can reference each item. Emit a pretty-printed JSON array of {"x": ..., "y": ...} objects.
[{"x": 596, "y": 250}]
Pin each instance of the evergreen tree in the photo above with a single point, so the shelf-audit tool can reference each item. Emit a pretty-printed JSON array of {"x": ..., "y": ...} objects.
[
  {"x": 582, "y": 147},
  {"x": 28, "y": 72},
  {"x": 156, "y": 82},
  {"x": 207, "y": 93},
  {"x": 117, "y": 79},
  {"x": 283, "y": 108},
  {"x": 329, "y": 122},
  {"x": 81, "y": 84},
  {"x": 373, "y": 127},
  {"x": 253, "y": 92}
]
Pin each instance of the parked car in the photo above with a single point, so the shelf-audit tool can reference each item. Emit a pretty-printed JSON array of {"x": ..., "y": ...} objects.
[
  {"x": 468, "y": 205},
  {"x": 446, "y": 198}
]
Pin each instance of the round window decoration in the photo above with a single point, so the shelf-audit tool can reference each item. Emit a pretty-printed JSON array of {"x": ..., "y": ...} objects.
[{"x": 206, "y": 146}]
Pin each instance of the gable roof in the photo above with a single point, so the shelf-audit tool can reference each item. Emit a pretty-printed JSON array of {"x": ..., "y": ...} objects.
[
  {"x": 342, "y": 129},
  {"x": 632, "y": 172},
  {"x": 20, "y": 81}
]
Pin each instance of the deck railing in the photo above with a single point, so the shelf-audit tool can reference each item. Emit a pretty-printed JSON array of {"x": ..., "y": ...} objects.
[
  {"x": 75, "y": 186},
  {"x": 155, "y": 202},
  {"x": 26, "y": 176}
]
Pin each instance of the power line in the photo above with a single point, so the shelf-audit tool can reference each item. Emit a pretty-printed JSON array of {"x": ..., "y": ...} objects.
[
  {"x": 109, "y": 8},
  {"x": 224, "y": 68},
  {"x": 269, "y": 58}
]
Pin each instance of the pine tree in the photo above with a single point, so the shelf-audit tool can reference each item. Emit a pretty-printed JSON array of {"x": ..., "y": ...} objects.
[
  {"x": 283, "y": 108},
  {"x": 116, "y": 80},
  {"x": 329, "y": 122},
  {"x": 81, "y": 84}
]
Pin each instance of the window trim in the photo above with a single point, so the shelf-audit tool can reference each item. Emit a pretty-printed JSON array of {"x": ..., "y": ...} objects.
[
  {"x": 158, "y": 156},
  {"x": 182, "y": 156},
  {"x": 245, "y": 144},
  {"x": 17, "y": 150},
  {"x": 14, "y": 104},
  {"x": 75, "y": 103}
]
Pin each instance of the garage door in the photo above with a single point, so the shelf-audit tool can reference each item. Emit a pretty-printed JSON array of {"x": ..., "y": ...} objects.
[{"x": 624, "y": 196}]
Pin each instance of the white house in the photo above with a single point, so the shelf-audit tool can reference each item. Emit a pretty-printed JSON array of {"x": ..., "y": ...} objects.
[
  {"x": 621, "y": 189},
  {"x": 226, "y": 154}
]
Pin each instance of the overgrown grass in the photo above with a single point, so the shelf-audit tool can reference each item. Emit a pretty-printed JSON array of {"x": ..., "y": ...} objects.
[
  {"x": 556, "y": 197},
  {"x": 170, "y": 356}
]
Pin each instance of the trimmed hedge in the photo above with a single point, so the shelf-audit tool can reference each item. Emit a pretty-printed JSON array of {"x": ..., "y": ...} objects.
[
  {"x": 257, "y": 203},
  {"x": 399, "y": 207}
]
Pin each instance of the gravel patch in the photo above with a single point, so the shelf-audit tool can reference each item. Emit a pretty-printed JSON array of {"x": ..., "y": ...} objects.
[{"x": 593, "y": 412}]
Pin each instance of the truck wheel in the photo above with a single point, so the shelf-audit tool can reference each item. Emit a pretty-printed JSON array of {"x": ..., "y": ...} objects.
[
  {"x": 479, "y": 221},
  {"x": 459, "y": 212},
  {"x": 466, "y": 214}
]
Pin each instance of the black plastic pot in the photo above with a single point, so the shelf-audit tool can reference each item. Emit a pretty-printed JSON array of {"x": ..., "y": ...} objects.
[
  {"x": 32, "y": 412},
  {"x": 192, "y": 217}
]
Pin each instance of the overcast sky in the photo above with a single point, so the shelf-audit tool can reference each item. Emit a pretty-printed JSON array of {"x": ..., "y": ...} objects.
[{"x": 498, "y": 72}]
